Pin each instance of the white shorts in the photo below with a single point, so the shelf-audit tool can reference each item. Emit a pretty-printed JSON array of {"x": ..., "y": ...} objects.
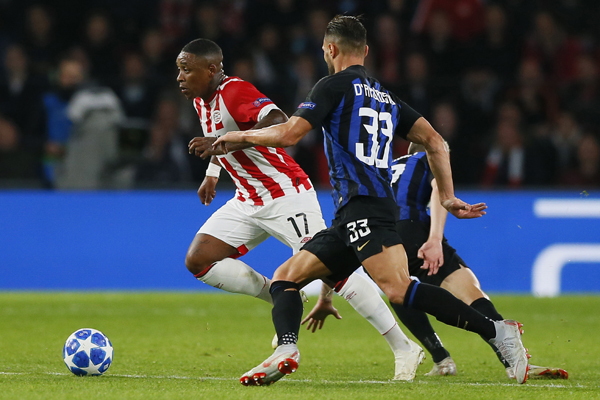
[{"x": 292, "y": 219}]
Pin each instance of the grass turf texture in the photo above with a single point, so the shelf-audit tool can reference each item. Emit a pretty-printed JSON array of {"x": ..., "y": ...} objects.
[{"x": 182, "y": 345}]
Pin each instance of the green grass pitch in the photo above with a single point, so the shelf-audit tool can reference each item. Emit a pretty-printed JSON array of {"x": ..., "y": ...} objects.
[{"x": 196, "y": 346}]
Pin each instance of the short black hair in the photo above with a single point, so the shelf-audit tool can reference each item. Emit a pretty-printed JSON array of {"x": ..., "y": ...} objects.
[
  {"x": 348, "y": 32},
  {"x": 202, "y": 48}
]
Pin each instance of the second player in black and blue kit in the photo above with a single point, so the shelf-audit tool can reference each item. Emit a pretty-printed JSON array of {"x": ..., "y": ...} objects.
[
  {"x": 432, "y": 260},
  {"x": 413, "y": 190},
  {"x": 411, "y": 184}
]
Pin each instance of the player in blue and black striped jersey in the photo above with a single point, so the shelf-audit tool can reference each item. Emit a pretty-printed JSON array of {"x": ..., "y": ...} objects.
[
  {"x": 359, "y": 119},
  {"x": 432, "y": 260},
  {"x": 411, "y": 184}
]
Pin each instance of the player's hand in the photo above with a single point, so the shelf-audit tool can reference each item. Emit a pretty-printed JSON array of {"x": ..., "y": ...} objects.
[
  {"x": 317, "y": 315},
  {"x": 207, "y": 191},
  {"x": 432, "y": 255},
  {"x": 203, "y": 147},
  {"x": 462, "y": 210},
  {"x": 229, "y": 137}
]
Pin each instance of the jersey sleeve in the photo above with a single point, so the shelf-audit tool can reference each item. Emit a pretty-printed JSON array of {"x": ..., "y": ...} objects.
[
  {"x": 407, "y": 117},
  {"x": 318, "y": 104},
  {"x": 246, "y": 103}
]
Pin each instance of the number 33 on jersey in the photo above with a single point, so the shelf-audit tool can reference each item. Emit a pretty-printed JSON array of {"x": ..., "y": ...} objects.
[{"x": 359, "y": 118}]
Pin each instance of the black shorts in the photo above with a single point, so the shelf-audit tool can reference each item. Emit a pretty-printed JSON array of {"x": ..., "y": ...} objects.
[
  {"x": 360, "y": 230},
  {"x": 414, "y": 234}
]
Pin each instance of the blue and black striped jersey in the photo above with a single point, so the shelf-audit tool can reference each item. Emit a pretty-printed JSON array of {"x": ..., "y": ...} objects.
[
  {"x": 411, "y": 183},
  {"x": 359, "y": 118}
]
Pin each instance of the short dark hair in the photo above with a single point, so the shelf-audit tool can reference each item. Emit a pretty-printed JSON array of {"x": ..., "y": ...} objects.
[
  {"x": 202, "y": 47},
  {"x": 348, "y": 32}
]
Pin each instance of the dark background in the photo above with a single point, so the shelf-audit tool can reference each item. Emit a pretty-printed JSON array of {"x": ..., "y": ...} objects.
[{"x": 512, "y": 85}]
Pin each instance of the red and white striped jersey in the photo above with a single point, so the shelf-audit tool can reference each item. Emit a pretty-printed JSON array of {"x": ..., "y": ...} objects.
[{"x": 261, "y": 174}]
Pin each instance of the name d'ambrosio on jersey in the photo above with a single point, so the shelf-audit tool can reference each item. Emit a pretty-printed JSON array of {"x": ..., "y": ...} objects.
[{"x": 369, "y": 91}]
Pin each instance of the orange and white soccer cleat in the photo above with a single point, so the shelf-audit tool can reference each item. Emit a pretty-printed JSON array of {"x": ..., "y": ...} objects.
[{"x": 284, "y": 361}]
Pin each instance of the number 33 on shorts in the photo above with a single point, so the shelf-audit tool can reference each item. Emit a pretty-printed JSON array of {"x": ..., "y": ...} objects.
[{"x": 358, "y": 229}]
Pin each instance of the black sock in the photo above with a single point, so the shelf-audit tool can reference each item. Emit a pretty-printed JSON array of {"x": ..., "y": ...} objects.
[
  {"x": 486, "y": 307},
  {"x": 287, "y": 311},
  {"x": 447, "y": 309},
  {"x": 418, "y": 324}
]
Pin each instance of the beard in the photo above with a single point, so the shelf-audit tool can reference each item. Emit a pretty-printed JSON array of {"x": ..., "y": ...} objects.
[
  {"x": 330, "y": 67},
  {"x": 329, "y": 62}
]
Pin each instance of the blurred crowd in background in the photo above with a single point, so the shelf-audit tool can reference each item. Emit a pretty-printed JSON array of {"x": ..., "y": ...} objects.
[{"x": 89, "y": 99}]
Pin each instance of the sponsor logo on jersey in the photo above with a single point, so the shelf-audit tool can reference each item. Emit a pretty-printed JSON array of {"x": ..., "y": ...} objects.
[
  {"x": 306, "y": 239},
  {"x": 258, "y": 102},
  {"x": 307, "y": 104},
  {"x": 217, "y": 117}
]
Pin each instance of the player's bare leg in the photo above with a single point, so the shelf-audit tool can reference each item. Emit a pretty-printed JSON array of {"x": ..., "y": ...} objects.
[
  {"x": 464, "y": 285},
  {"x": 389, "y": 270},
  {"x": 208, "y": 258}
]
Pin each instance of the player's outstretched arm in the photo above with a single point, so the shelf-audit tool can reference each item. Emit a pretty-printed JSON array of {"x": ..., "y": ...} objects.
[
  {"x": 282, "y": 135},
  {"x": 323, "y": 308},
  {"x": 202, "y": 147},
  {"x": 439, "y": 161}
]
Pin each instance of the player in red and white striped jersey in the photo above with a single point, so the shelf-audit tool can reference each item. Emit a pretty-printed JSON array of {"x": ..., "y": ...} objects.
[
  {"x": 261, "y": 174},
  {"x": 274, "y": 196}
]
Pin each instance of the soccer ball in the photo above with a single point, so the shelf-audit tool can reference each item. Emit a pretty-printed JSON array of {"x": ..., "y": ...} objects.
[{"x": 88, "y": 352}]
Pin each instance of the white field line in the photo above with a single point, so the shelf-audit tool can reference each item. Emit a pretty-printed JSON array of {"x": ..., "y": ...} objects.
[{"x": 369, "y": 382}]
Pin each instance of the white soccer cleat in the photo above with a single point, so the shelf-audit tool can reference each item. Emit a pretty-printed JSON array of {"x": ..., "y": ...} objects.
[
  {"x": 408, "y": 361},
  {"x": 443, "y": 368},
  {"x": 282, "y": 362},
  {"x": 510, "y": 373},
  {"x": 508, "y": 342}
]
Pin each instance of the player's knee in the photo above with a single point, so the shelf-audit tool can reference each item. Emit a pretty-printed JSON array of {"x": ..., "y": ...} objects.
[
  {"x": 196, "y": 262},
  {"x": 395, "y": 296},
  {"x": 396, "y": 293}
]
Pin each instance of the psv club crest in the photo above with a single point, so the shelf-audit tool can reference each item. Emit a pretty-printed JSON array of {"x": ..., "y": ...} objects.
[{"x": 217, "y": 117}]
